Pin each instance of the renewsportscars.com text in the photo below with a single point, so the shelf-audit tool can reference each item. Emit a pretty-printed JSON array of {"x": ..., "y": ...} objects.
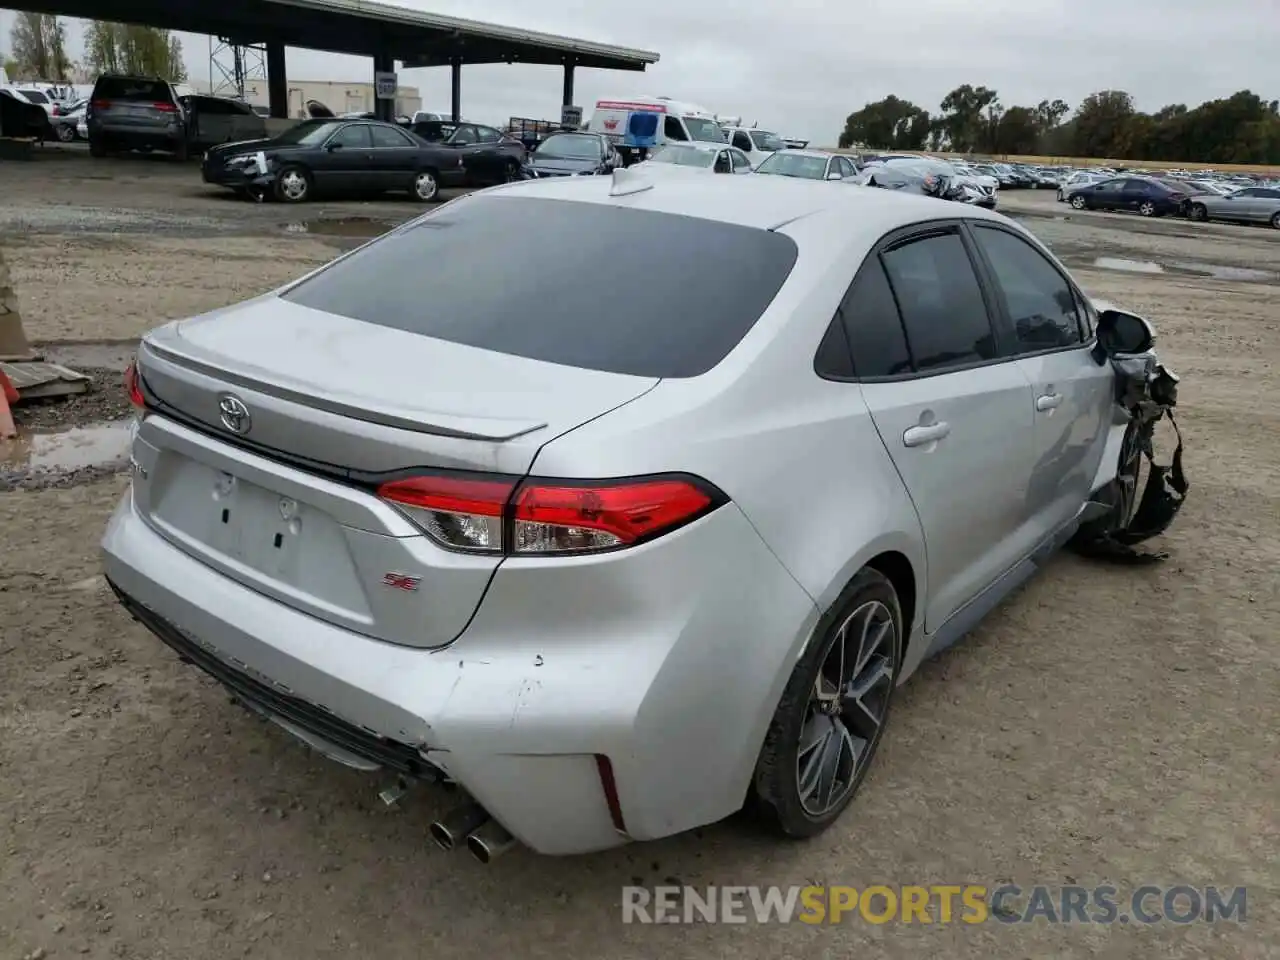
[{"x": 935, "y": 903}]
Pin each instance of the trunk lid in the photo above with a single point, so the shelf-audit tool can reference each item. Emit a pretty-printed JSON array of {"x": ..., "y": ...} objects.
[{"x": 287, "y": 506}]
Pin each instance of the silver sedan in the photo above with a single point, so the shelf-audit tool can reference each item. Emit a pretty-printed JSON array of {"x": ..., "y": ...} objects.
[
  {"x": 1250, "y": 205},
  {"x": 651, "y": 508}
]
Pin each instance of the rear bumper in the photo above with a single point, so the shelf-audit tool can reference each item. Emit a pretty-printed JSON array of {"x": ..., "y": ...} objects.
[{"x": 671, "y": 668}]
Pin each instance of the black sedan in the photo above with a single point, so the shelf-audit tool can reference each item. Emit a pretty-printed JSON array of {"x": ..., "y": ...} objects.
[
  {"x": 1151, "y": 198},
  {"x": 488, "y": 155},
  {"x": 572, "y": 154},
  {"x": 331, "y": 156}
]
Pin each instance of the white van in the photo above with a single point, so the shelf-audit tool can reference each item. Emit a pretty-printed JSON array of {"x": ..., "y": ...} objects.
[
  {"x": 756, "y": 144},
  {"x": 636, "y": 125}
]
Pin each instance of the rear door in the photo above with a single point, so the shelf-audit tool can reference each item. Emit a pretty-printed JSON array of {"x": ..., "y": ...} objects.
[
  {"x": 209, "y": 120},
  {"x": 394, "y": 156},
  {"x": 954, "y": 414},
  {"x": 1071, "y": 392}
]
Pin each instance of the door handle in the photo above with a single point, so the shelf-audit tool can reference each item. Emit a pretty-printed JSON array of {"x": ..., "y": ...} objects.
[
  {"x": 1048, "y": 401},
  {"x": 919, "y": 436}
]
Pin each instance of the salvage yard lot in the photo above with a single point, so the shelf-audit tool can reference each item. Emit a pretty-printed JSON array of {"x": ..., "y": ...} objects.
[{"x": 1105, "y": 725}]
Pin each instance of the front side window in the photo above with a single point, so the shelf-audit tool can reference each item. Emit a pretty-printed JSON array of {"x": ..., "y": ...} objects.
[
  {"x": 354, "y": 136},
  {"x": 1039, "y": 301},
  {"x": 672, "y": 130},
  {"x": 941, "y": 303}
]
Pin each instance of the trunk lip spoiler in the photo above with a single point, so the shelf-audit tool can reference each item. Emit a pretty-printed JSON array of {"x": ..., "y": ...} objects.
[{"x": 502, "y": 431}]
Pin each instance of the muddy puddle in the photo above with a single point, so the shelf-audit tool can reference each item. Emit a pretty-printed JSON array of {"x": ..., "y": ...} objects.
[
  {"x": 1211, "y": 271},
  {"x": 45, "y": 457},
  {"x": 361, "y": 228}
]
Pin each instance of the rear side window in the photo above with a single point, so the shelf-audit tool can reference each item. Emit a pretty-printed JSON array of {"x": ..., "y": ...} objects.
[
  {"x": 1041, "y": 305},
  {"x": 581, "y": 284},
  {"x": 389, "y": 137},
  {"x": 35, "y": 96},
  {"x": 941, "y": 303},
  {"x": 872, "y": 325},
  {"x": 125, "y": 88}
]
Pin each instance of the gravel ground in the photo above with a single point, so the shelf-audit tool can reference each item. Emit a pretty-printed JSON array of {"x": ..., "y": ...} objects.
[{"x": 1104, "y": 725}]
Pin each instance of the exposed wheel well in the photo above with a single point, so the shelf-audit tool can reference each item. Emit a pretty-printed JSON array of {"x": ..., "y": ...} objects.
[{"x": 897, "y": 568}]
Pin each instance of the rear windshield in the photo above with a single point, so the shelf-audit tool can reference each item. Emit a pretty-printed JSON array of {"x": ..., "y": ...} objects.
[
  {"x": 35, "y": 96},
  {"x": 581, "y": 284},
  {"x": 124, "y": 88}
]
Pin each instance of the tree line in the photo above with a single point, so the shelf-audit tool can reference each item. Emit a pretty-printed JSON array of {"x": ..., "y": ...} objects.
[
  {"x": 1241, "y": 128},
  {"x": 38, "y": 51}
]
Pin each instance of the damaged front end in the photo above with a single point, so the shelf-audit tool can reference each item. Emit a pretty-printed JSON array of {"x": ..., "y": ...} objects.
[{"x": 1137, "y": 507}]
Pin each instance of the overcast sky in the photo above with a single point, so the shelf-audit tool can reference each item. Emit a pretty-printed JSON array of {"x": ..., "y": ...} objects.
[{"x": 801, "y": 66}]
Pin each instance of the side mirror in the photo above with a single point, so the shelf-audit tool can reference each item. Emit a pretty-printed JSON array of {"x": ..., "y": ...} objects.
[
  {"x": 333, "y": 146},
  {"x": 1124, "y": 333}
]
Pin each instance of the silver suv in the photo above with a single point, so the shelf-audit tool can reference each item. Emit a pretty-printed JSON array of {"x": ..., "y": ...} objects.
[
  {"x": 626, "y": 526},
  {"x": 135, "y": 113}
]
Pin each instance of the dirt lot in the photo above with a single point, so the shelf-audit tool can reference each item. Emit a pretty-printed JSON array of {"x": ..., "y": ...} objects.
[{"x": 1106, "y": 725}]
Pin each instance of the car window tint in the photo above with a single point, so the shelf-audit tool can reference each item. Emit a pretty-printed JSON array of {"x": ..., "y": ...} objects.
[
  {"x": 742, "y": 141},
  {"x": 354, "y": 135},
  {"x": 872, "y": 325},
  {"x": 465, "y": 134},
  {"x": 940, "y": 302},
  {"x": 1037, "y": 297},
  {"x": 389, "y": 137},
  {"x": 833, "y": 359},
  {"x": 127, "y": 88},
  {"x": 672, "y": 129},
  {"x": 488, "y": 135},
  {"x": 605, "y": 288}
]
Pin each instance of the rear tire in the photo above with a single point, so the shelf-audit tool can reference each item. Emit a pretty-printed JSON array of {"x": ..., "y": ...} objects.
[
  {"x": 1275, "y": 221},
  {"x": 66, "y": 132},
  {"x": 510, "y": 172},
  {"x": 1199, "y": 212},
  {"x": 1078, "y": 202},
  {"x": 1147, "y": 209},
  {"x": 425, "y": 187},
  {"x": 788, "y": 793}
]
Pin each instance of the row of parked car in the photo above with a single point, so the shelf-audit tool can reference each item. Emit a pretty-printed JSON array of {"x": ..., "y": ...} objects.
[
  {"x": 356, "y": 154},
  {"x": 1160, "y": 194}
]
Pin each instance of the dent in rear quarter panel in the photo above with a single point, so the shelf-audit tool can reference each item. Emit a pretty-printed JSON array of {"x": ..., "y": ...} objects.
[{"x": 811, "y": 475}]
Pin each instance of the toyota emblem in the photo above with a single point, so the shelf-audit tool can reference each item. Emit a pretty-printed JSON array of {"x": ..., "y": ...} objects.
[{"x": 234, "y": 414}]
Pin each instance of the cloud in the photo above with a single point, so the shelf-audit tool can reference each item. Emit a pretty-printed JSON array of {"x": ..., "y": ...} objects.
[{"x": 801, "y": 66}]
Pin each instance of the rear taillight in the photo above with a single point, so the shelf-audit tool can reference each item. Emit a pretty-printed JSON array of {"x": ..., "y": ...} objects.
[
  {"x": 55, "y": 110},
  {"x": 134, "y": 386},
  {"x": 100, "y": 104},
  {"x": 540, "y": 517},
  {"x": 165, "y": 107},
  {"x": 459, "y": 512}
]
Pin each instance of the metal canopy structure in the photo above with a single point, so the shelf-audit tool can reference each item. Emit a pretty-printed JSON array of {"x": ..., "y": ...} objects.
[{"x": 379, "y": 30}]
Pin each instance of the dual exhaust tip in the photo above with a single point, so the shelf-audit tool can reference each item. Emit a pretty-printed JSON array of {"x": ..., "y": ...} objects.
[{"x": 470, "y": 824}]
